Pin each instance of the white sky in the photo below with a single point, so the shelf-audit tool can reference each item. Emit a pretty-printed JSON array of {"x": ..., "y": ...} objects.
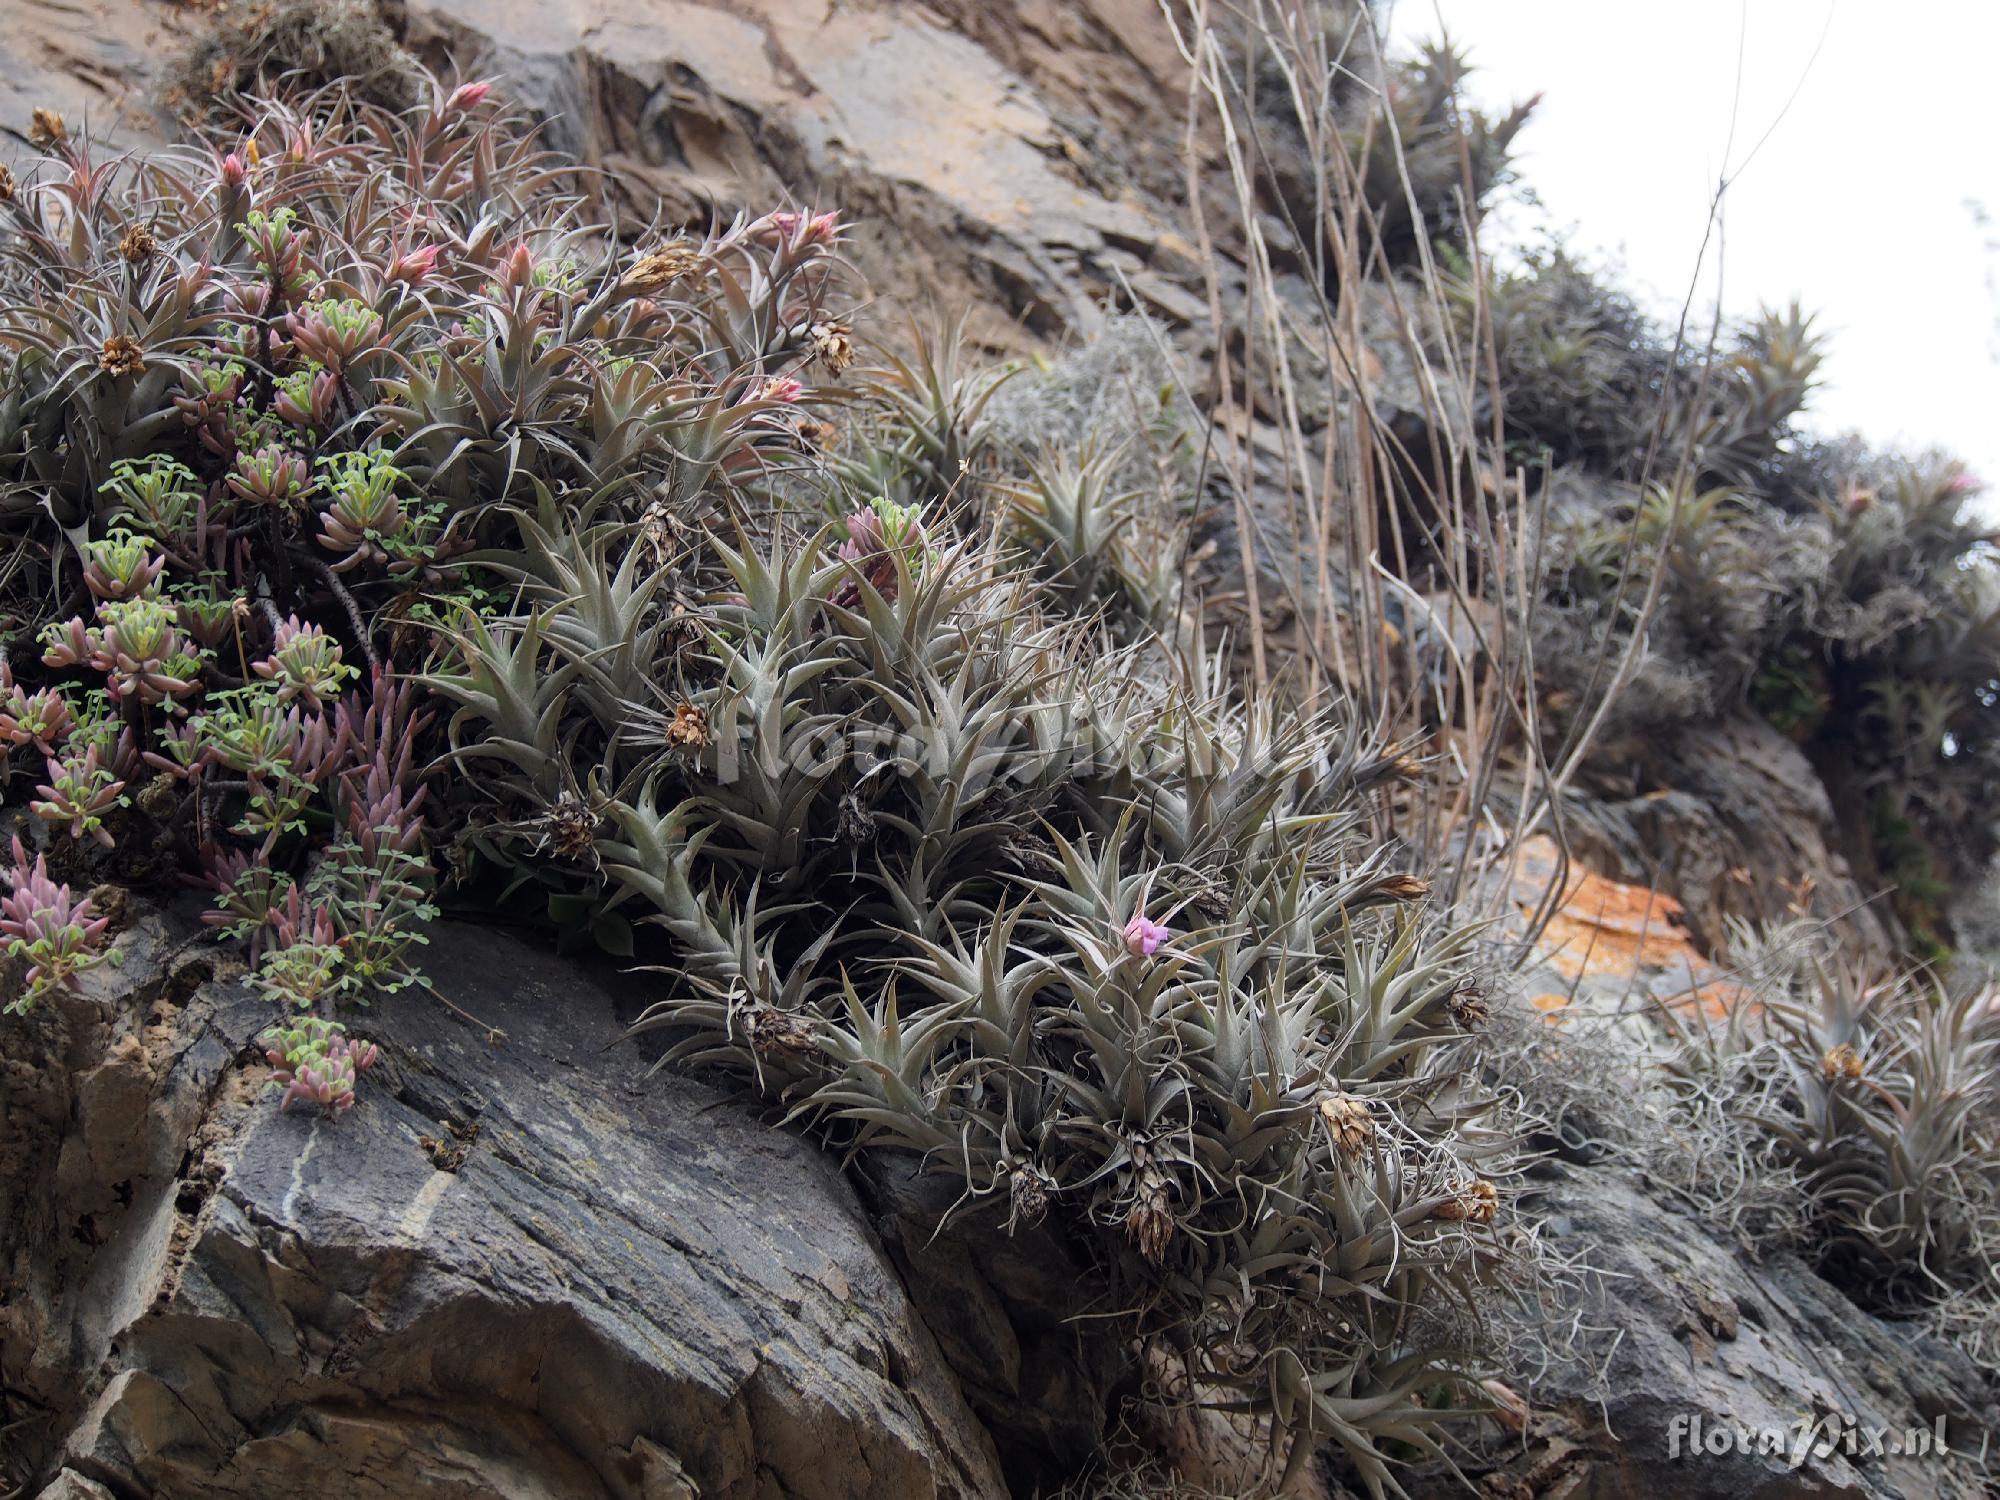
[{"x": 1864, "y": 200}]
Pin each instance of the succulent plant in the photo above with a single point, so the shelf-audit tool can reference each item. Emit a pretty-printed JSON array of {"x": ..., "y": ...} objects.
[
  {"x": 57, "y": 935},
  {"x": 79, "y": 795},
  {"x": 335, "y": 333},
  {"x": 304, "y": 663},
  {"x": 315, "y": 1060},
  {"x": 39, "y": 720},
  {"x": 158, "y": 496},
  {"x": 273, "y": 476}
]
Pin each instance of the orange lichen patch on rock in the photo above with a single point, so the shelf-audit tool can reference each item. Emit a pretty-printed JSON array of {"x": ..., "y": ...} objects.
[{"x": 1604, "y": 928}]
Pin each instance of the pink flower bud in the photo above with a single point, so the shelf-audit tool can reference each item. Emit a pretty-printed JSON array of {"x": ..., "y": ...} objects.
[
  {"x": 518, "y": 269},
  {"x": 466, "y": 96},
  {"x": 785, "y": 227},
  {"x": 415, "y": 264}
]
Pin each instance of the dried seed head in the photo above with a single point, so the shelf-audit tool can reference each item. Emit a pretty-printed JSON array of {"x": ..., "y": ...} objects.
[
  {"x": 856, "y": 824},
  {"x": 121, "y": 356},
  {"x": 1028, "y": 1191},
  {"x": 570, "y": 828},
  {"x": 832, "y": 346},
  {"x": 137, "y": 244},
  {"x": 46, "y": 129},
  {"x": 157, "y": 798},
  {"x": 659, "y": 269},
  {"x": 1467, "y": 1005},
  {"x": 688, "y": 729},
  {"x": 1476, "y": 1203},
  {"x": 1404, "y": 887},
  {"x": 1349, "y": 1121},
  {"x": 1151, "y": 1221},
  {"x": 661, "y": 532},
  {"x": 1841, "y": 1062},
  {"x": 7, "y": 183},
  {"x": 778, "y": 1033}
]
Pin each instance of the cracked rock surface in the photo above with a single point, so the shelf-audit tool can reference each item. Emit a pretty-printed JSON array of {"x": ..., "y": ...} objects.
[{"x": 512, "y": 1270}]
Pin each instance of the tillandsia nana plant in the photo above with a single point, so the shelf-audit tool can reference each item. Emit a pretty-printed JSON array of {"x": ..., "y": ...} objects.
[
  {"x": 387, "y": 533},
  {"x": 1876, "y": 1099}
]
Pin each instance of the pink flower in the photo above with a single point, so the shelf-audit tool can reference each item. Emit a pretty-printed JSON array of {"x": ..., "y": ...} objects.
[
  {"x": 466, "y": 96},
  {"x": 781, "y": 388},
  {"x": 1143, "y": 936}
]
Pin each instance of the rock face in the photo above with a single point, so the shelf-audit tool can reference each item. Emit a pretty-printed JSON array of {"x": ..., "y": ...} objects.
[
  {"x": 958, "y": 138},
  {"x": 1743, "y": 827},
  {"x": 520, "y": 1267},
  {"x": 513, "y": 1270},
  {"x": 1676, "y": 1325},
  {"x": 92, "y": 60}
]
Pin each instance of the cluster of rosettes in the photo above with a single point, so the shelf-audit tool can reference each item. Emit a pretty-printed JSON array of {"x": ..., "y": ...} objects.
[
  {"x": 317, "y": 1064},
  {"x": 304, "y": 663},
  {"x": 37, "y": 721},
  {"x": 56, "y": 934}
]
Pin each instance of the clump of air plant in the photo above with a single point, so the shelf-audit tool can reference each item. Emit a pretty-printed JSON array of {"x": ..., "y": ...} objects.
[
  {"x": 837, "y": 753},
  {"x": 241, "y": 49},
  {"x": 1856, "y": 1114},
  {"x": 57, "y": 935}
]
